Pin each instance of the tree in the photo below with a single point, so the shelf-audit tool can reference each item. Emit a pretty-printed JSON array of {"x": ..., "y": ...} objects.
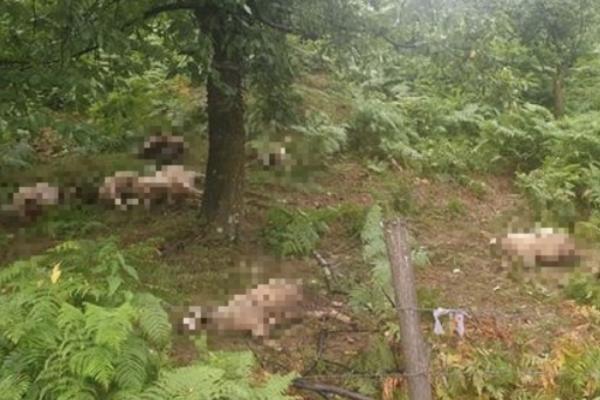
[
  {"x": 558, "y": 33},
  {"x": 227, "y": 37}
]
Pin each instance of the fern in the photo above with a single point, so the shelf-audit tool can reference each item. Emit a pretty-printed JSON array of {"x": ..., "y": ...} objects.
[
  {"x": 554, "y": 189},
  {"x": 95, "y": 363},
  {"x": 222, "y": 376},
  {"x": 72, "y": 338},
  {"x": 381, "y": 129},
  {"x": 13, "y": 387},
  {"x": 584, "y": 289},
  {"x": 322, "y": 137},
  {"x": 153, "y": 320},
  {"x": 132, "y": 371},
  {"x": 579, "y": 377},
  {"x": 375, "y": 293},
  {"x": 109, "y": 327},
  {"x": 293, "y": 233}
]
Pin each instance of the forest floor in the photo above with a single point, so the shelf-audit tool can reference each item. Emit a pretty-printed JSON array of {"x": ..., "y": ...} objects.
[{"x": 452, "y": 222}]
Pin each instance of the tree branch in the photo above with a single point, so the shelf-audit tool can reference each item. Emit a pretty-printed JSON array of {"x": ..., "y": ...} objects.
[
  {"x": 179, "y": 5},
  {"x": 7, "y": 62},
  {"x": 278, "y": 26},
  {"x": 323, "y": 388}
]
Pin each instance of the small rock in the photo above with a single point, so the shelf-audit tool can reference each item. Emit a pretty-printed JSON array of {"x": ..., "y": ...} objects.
[
  {"x": 273, "y": 344},
  {"x": 456, "y": 271},
  {"x": 340, "y": 317},
  {"x": 337, "y": 303},
  {"x": 496, "y": 288}
]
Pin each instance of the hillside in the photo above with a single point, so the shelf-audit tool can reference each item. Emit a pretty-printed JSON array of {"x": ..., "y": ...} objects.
[
  {"x": 180, "y": 180},
  {"x": 451, "y": 223}
]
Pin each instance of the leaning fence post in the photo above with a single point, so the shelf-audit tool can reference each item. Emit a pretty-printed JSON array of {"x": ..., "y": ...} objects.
[{"x": 403, "y": 279}]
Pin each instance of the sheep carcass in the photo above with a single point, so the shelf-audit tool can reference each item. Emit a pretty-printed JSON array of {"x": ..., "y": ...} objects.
[
  {"x": 164, "y": 149},
  {"x": 30, "y": 201},
  {"x": 172, "y": 183},
  {"x": 544, "y": 248},
  {"x": 256, "y": 311},
  {"x": 121, "y": 189}
]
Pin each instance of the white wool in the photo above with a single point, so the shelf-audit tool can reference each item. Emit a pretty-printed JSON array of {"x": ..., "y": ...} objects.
[
  {"x": 278, "y": 299},
  {"x": 545, "y": 244}
]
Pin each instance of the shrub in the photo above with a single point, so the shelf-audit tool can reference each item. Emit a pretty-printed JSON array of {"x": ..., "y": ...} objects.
[
  {"x": 293, "y": 233},
  {"x": 553, "y": 189},
  {"x": 448, "y": 156},
  {"x": 584, "y": 289},
  {"x": 71, "y": 328},
  {"x": 321, "y": 136},
  {"x": 380, "y": 129},
  {"x": 579, "y": 376},
  {"x": 482, "y": 374},
  {"x": 140, "y": 102},
  {"x": 576, "y": 139},
  {"x": 516, "y": 140}
]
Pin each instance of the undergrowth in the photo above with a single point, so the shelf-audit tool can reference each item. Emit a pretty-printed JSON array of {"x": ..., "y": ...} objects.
[
  {"x": 72, "y": 327},
  {"x": 376, "y": 293},
  {"x": 296, "y": 232}
]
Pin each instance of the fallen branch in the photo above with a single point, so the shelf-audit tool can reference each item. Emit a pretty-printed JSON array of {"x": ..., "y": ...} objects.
[
  {"x": 332, "y": 314},
  {"x": 329, "y": 277},
  {"x": 320, "y": 350},
  {"x": 323, "y": 388}
]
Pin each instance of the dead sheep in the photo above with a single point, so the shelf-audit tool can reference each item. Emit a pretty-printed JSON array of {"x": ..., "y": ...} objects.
[
  {"x": 257, "y": 310},
  {"x": 29, "y": 202},
  {"x": 120, "y": 189},
  {"x": 171, "y": 184},
  {"x": 164, "y": 149},
  {"x": 543, "y": 248}
]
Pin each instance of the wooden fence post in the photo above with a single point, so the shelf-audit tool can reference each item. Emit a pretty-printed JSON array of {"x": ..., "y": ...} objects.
[{"x": 403, "y": 278}]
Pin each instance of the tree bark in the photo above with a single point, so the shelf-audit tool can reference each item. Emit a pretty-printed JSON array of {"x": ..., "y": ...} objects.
[
  {"x": 559, "y": 92},
  {"x": 222, "y": 203}
]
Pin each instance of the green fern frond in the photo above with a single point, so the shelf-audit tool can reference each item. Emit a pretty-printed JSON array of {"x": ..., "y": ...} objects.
[
  {"x": 194, "y": 382},
  {"x": 95, "y": 363},
  {"x": 131, "y": 369},
  {"x": 153, "y": 320},
  {"x": 293, "y": 232},
  {"x": 16, "y": 270},
  {"x": 109, "y": 327},
  {"x": 236, "y": 365},
  {"x": 275, "y": 388},
  {"x": 13, "y": 387},
  {"x": 70, "y": 318}
]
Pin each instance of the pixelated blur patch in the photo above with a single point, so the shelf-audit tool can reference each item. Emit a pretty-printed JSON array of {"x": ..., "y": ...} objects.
[
  {"x": 255, "y": 311},
  {"x": 287, "y": 159},
  {"x": 551, "y": 253}
]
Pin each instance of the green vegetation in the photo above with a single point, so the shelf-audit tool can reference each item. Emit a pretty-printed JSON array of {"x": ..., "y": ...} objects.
[
  {"x": 293, "y": 232},
  {"x": 73, "y": 328},
  {"x": 456, "y": 115}
]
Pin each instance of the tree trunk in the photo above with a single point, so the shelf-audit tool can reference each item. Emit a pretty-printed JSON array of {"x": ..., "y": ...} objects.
[
  {"x": 222, "y": 203},
  {"x": 559, "y": 92}
]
